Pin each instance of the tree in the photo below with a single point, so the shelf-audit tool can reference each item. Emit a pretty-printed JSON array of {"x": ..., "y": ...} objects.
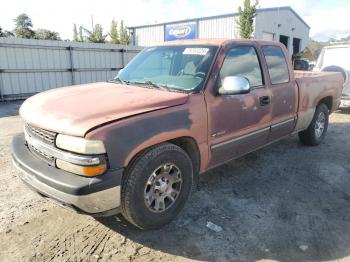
[
  {"x": 23, "y": 27},
  {"x": 113, "y": 34},
  {"x": 9, "y": 34},
  {"x": 44, "y": 34},
  {"x": 246, "y": 19},
  {"x": 78, "y": 35},
  {"x": 5, "y": 33},
  {"x": 81, "y": 37},
  {"x": 96, "y": 35},
  {"x": 313, "y": 49},
  {"x": 75, "y": 33},
  {"x": 124, "y": 38}
]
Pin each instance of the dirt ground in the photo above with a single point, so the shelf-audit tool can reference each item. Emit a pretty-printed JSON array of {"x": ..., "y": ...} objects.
[{"x": 286, "y": 202}]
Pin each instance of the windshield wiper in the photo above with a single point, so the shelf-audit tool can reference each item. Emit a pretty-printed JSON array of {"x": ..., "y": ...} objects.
[
  {"x": 152, "y": 84},
  {"x": 117, "y": 79}
]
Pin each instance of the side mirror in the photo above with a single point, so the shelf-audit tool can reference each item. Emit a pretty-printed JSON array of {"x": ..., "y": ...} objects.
[{"x": 234, "y": 85}]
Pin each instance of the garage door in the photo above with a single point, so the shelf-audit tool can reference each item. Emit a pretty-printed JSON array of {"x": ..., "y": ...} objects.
[{"x": 268, "y": 36}]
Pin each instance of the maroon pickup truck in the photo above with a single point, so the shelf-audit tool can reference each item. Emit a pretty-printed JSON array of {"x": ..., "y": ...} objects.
[{"x": 138, "y": 143}]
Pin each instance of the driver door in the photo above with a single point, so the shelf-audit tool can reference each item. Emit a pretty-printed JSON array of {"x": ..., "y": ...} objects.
[{"x": 238, "y": 123}]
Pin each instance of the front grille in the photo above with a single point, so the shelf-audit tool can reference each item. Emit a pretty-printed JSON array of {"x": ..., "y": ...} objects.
[
  {"x": 42, "y": 134},
  {"x": 47, "y": 137},
  {"x": 42, "y": 155}
]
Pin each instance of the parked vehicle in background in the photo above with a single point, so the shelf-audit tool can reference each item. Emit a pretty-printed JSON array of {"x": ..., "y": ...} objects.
[
  {"x": 137, "y": 144},
  {"x": 336, "y": 58}
]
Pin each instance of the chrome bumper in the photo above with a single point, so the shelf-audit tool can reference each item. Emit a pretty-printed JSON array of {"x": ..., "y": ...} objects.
[{"x": 93, "y": 195}]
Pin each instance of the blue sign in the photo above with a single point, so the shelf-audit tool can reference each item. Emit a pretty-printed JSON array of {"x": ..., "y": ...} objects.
[{"x": 180, "y": 31}]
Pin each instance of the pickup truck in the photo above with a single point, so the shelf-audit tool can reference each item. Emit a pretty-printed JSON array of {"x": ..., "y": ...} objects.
[{"x": 136, "y": 144}]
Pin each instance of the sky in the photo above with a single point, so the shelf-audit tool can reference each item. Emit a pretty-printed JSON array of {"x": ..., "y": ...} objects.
[{"x": 327, "y": 18}]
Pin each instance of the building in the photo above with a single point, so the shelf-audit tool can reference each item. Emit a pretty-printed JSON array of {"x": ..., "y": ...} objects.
[{"x": 280, "y": 24}]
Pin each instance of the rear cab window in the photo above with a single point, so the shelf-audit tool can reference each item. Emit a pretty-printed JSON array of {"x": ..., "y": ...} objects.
[
  {"x": 276, "y": 64},
  {"x": 243, "y": 61}
]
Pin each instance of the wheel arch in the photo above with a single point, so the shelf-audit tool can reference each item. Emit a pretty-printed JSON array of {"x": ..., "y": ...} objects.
[
  {"x": 190, "y": 146},
  {"x": 328, "y": 101},
  {"x": 186, "y": 143}
]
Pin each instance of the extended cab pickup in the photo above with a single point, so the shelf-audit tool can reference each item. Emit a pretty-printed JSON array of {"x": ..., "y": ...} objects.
[{"x": 137, "y": 144}]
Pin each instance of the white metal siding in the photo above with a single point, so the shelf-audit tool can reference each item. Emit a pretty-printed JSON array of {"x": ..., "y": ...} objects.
[
  {"x": 31, "y": 66},
  {"x": 224, "y": 27},
  {"x": 147, "y": 36},
  {"x": 287, "y": 21},
  {"x": 266, "y": 22}
]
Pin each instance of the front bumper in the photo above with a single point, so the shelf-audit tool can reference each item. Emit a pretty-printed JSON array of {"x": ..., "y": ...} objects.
[{"x": 94, "y": 195}]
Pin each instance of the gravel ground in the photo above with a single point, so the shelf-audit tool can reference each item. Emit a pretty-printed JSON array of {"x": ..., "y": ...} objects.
[{"x": 286, "y": 202}]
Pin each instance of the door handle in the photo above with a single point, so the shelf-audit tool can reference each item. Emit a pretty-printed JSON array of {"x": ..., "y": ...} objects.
[{"x": 264, "y": 100}]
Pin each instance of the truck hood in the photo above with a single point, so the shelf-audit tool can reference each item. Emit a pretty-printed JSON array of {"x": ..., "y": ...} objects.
[{"x": 74, "y": 110}]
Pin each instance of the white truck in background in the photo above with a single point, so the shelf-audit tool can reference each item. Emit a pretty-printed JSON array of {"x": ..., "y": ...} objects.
[{"x": 336, "y": 58}]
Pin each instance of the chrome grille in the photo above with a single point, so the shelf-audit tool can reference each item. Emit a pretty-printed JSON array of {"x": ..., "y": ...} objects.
[
  {"x": 46, "y": 157},
  {"x": 45, "y": 135}
]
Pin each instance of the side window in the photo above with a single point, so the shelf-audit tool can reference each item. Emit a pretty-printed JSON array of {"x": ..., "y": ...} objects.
[
  {"x": 243, "y": 61},
  {"x": 276, "y": 64}
]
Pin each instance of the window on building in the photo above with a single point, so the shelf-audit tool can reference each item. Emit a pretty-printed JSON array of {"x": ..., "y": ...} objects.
[
  {"x": 276, "y": 64},
  {"x": 243, "y": 61}
]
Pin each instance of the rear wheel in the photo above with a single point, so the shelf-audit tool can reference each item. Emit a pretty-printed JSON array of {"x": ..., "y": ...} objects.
[
  {"x": 156, "y": 186},
  {"x": 318, "y": 127}
]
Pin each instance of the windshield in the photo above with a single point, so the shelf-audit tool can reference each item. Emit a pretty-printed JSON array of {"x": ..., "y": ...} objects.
[{"x": 177, "y": 68}]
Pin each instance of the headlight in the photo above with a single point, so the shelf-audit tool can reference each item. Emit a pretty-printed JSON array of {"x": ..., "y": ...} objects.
[{"x": 80, "y": 145}]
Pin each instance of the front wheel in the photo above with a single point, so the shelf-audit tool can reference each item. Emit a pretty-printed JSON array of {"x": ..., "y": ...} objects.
[
  {"x": 156, "y": 186},
  {"x": 317, "y": 128}
]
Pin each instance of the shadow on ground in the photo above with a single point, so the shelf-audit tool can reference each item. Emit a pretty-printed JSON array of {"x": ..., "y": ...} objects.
[
  {"x": 286, "y": 202},
  {"x": 344, "y": 110},
  {"x": 10, "y": 108}
]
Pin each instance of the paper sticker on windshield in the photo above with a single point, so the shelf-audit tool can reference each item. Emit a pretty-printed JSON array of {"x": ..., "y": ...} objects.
[{"x": 195, "y": 51}]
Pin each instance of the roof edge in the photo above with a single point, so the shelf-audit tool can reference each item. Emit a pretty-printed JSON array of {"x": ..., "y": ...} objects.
[{"x": 260, "y": 10}]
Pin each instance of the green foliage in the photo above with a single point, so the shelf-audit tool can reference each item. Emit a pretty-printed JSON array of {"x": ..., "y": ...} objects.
[
  {"x": 9, "y": 34},
  {"x": 75, "y": 33},
  {"x": 5, "y": 33},
  {"x": 44, "y": 34},
  {"x": 117, "y": 36},
  {"x": 124, "y": 36},
  {"x": 78, "y": 36},
  {"x": 246, "y": 19},
  {"x": 96, "y": 35},
  {"x": 23, "y": 27},
  {"x": 81, "y": 37},
  {"x": 114, "y": 34}
]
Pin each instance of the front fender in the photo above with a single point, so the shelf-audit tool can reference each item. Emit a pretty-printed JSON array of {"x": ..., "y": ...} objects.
[{"x": 125, "y": 138}]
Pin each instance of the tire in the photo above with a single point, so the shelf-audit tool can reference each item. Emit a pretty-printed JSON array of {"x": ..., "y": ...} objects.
[
  {"x": 165, "y": 163},
  {"x": 313, "y": 136}
]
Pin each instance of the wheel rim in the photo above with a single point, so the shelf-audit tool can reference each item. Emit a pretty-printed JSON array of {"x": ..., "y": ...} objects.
[
  {"x": 320, "y": 124},
  {"x": 163, "y": 188}
]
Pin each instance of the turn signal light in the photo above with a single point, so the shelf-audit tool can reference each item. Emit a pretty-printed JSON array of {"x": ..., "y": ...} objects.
[{"x": 81, "y": 170}]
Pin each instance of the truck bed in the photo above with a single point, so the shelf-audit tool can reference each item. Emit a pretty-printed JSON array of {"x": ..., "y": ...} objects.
[{"x": 314, "y": 86}]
